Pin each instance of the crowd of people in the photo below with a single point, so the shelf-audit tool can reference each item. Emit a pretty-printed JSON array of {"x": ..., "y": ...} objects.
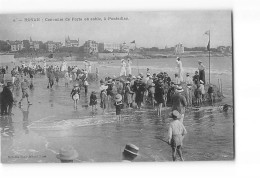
[{"x": 125, "y": 91}]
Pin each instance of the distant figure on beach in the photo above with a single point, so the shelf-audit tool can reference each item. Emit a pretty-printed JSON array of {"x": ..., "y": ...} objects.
[
  {"x": 25, "y": 94},
  {"x": 87, "y": 66},
  {"x": 119, "y": 105},
  {"x": 67, "y": 154},
  {"x": 129, "y": 66},
  {"x": 75, "y": 94},
  {"x": 64, "y": 66},
  {"x": 201, "y": 69},
  {"x": 44, "y": 66},
  {"x": 123, "y": 68},
  {"x": 179, "y": 68},
  {"x": 211, "y": 94},
  {"x": 188, "y": 79},
  {"x": 93, "y": 101},
  {"x": 7, "y": 100},
  {"x": 130, "y": 153},
  {"x": 176, "y": 134},
  {"x": 159, "y": 96}
]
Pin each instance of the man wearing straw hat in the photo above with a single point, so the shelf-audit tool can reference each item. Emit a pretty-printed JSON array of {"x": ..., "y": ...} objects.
[
  {"x": 176, "y": 134},
  {"x": 179, "y": 102},
  {"x": 67, "y": 154},
  {"x": 130, "y": 153}
]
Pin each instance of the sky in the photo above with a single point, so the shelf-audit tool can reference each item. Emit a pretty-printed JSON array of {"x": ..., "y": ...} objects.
[{"x": 148, "y": 29}]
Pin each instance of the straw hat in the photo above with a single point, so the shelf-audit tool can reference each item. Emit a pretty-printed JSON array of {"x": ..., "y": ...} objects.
[
  {"x": 201, "y": 82},
  {"x": 133, "y": 77},
  {"x": 103, "y": 87},
  {"x": 118, "y": 98},
  {"x": 176, "y": 114},
  {"x": 76, "y": 85},
  {"x": 148, "y": 74},
  {"x": 127, "y": 82},
  {"x": 189, "y": 85},
  {"x": 67, "y": 153},
  {"x": 138, "y": 77},
  {"x": 179, "y": 89},
  {"x": 132, "y": 149}
]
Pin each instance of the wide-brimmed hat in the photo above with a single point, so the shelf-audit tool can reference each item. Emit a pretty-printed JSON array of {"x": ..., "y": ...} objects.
[
  {"x": 127, "y": 82},
  {"x": 189, "y": 85},
  {"x": 76, "y": 85},
  {"x": 118, "y": 98},
  {"x": 176, "y": 114},
  {"x": 132, "y": 149},
  {"x": 138, "y": 77},
  {"x": 9, "y": 84},
  {"x": 178, "y": 58},
  {"x": 201, "y": 82},
  {"x": 101, "y": 81},
  {"x": 179, "y": 89},
  {"x": 122, "y": 60},
  {"x": 67, "y": 153},
  {"x": 148, "y": 74},
  {"x": 133, "y": 77},
  {"x": 103, "y": 87}
]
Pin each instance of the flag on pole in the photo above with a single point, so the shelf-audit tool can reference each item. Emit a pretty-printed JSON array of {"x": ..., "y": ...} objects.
[
  {"x": 133, "y": 42},
  {"x": 208, "y": 46},
  {"x": 207, "y": 32}
]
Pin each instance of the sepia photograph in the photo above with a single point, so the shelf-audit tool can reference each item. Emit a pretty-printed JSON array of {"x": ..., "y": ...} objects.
[{"x": 129, "y": 86}]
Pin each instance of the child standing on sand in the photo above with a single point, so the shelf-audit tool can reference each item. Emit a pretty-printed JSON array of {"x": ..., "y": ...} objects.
[
  {"x": 75, "y": 94},
  {"x": 118, "y": 104},
  {"x": 93, "y": 100}
]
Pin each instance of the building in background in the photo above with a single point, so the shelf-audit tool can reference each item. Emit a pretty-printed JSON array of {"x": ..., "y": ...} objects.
[
  {"x": 71, "y": 43},
  {"x": 16, "y": 45},
  {"x": 179, "y": 48},
  {"x": 35, "y": 45},
  {"x": 109, "y": 47},
  {"x": 91, "y": 47},
  {"x": 53, "y": 46}
]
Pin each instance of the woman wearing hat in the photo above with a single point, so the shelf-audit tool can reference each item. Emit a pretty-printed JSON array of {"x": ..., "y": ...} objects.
[
  {"x": 123, "y": 68},
  {"x": 179, "y": 68},
  {"x": 176, "y": 134},
  {"x": 75, "y": 94},
  {"x": 118, "y": 104}
]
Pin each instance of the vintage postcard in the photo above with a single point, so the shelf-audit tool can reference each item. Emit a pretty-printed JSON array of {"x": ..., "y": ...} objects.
[{"x": 117, "y": 86}]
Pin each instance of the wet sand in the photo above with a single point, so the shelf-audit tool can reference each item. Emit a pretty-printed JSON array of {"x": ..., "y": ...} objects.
[{"x": 53, "y": 123}]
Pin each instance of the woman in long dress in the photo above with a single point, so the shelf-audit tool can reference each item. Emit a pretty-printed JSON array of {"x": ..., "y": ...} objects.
[
  {"x": 179, "y": 68},
  {"x": 123, "y": 68},
  {"x": 129, "y": 68}
]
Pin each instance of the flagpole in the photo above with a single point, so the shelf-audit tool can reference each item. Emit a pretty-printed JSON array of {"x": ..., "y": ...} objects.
[
  {"x": 137, "y": 61},
  {"x": 209, "y": 56}
]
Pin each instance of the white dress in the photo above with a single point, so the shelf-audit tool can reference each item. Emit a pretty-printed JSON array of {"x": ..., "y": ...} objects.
[
  {"x": 123, "y": 69},
  {"x": 129, "y": 69},
  {"x": 180, "y": 69}
]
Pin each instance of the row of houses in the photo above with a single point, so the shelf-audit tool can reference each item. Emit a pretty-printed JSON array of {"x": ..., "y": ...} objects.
[{"x": 50, "y": 46}]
